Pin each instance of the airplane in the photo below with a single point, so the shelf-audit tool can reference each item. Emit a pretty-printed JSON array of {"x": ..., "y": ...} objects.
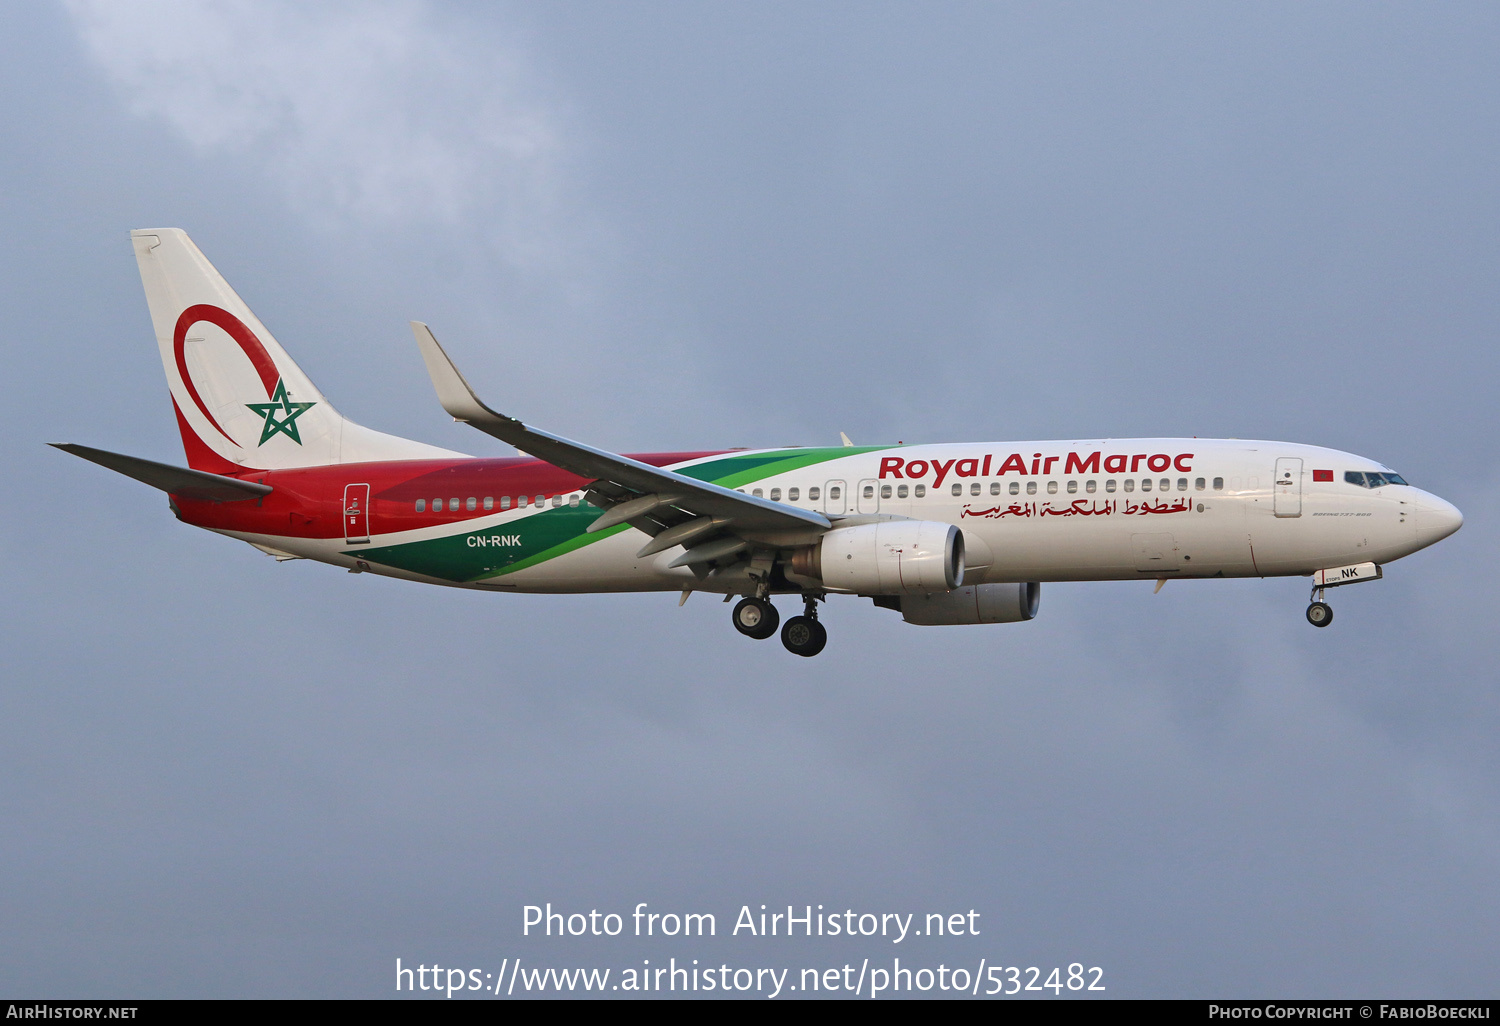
[{"x": 943, "y": 534}]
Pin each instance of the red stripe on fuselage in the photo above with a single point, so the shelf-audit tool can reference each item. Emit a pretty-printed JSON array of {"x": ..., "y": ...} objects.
[{"x": 307, "y": 502}]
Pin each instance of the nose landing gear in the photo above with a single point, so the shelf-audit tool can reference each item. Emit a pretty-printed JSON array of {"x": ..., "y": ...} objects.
[{"x": 1319, "y": 613}]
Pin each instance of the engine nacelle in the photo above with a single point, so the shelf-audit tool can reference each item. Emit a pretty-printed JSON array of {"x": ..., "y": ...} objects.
[
  {"x": 979, "y": 603},
  {"x": 892, "y": 557}
]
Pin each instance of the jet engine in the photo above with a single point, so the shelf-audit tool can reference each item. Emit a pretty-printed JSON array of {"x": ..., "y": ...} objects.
[
  {"x": 893, "y": 557},
  {"x": 979, "y": 603}
]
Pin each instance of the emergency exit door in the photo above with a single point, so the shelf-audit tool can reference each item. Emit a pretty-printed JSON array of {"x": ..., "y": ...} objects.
[
  {"x": 356, "y": 513},
  {"x": 1288, "y": 487},
  {"x": 834, "y": 500}
]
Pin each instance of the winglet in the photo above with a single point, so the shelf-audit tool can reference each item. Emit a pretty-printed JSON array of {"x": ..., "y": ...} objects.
[
  {"x": 644, "y": 479},
  {"x": 453, "y": 391},
  {"x": 847, "y": 444}
]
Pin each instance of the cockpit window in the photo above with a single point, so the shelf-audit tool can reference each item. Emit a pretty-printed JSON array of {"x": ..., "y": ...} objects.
[{"x": 1372, "y": 478}]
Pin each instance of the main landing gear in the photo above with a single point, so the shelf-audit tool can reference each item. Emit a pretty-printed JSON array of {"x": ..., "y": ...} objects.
[
  {"x": 1320, "y": 613},
  {"x": 802, "y": 635},
  {"x": 755, "y": 618}
]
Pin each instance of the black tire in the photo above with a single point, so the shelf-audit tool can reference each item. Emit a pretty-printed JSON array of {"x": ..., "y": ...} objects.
[
  {"x": 1320, "y": 614},
  {"x": 804, "y": 636},
  {"x": 755, "y": 618}
]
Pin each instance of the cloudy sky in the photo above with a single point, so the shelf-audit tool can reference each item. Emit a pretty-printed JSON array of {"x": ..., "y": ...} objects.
[{"x": 658, "y": 226}]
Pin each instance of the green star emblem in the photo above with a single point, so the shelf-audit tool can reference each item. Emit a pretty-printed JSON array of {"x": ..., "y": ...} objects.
[{"x": 280, "y": 404}]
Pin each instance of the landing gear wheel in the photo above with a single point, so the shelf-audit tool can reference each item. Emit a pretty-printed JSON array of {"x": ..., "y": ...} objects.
[
  {"x": 804, "y": 636},
  {"x": 1320, "y": 614},
  {"x": 755, "y": 618}
]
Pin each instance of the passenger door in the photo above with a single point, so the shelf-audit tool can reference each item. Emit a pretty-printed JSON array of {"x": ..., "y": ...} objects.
[
  {"x": 357, "y": 514},
  {"x": 1288, "y": 487}
]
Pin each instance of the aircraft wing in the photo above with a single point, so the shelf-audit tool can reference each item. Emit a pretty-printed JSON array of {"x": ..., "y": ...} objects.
[
  {"x": 190, "y": 484},
  {"x": 675, "y": 509}
]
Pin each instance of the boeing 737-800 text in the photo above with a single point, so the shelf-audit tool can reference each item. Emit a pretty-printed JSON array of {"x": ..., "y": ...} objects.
[{"x": 960, "y": 533}]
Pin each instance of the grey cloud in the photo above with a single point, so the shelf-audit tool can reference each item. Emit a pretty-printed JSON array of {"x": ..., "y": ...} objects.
[{"x": 360, "y": 111}]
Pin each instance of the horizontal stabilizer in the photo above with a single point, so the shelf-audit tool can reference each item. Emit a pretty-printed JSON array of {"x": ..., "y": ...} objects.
[{"x": 190, "y": 484}]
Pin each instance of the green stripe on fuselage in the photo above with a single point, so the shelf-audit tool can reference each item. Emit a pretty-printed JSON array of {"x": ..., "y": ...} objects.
[
  {"x": 494, "y": 551},
  {"x": 514, "y": 545},
  {"x": 734, "y": 471}
]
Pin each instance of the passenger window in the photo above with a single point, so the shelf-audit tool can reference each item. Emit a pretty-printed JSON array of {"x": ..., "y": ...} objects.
[
  {"x": 1051, "y": 487},
  {"x": 885, "y": 491},
  {"x": 421, "y": 505},
  {"x": 812, "y": 494},
  {"x": 1166, "y": 484},
  {"x": 472, "y": 504},
  {"x": 758, "y": 493},
  {"x": 1182, "y": 484},
  {"x": 994, "y": 487},
  {"x": 1130, "y": 484},
  {"x": 792, "y": 493},
  {"x": 452, "y": 505},
  {"x": 1030, "y": 487},
  {"x": 1218, "y": 484},
  {"x": 1145, "y": 484},
  {"x": 574, "y": 499},
  {"x": 775, "y": 494},
  {"x": 489, "y": 502},
  {"x": 556, "y": 501},
  {"x": 1198, "y": 484},
  {"x": 869, "y": 491},
  {"x": 957, "y": 489},
  {"x": 835, "y": 492},
  {"x": 1091, "y": 487},
  {"x": 1072, "y": 487},
  {"x": 974, "y": 488},
  {"x": 1015, "y": 488},
  {"x": 920, "y": 490},
  {"x": 1109, "y": 485},
  {"x": 901, "y": 491},
  {"x": 521, "y": 501}
]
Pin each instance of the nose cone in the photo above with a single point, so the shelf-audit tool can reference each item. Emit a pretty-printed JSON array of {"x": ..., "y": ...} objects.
[{"x": 1436, "y": 518}]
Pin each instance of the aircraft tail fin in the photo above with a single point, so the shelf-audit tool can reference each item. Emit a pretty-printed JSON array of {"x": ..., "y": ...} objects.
[{"x": 241, "y": 401}]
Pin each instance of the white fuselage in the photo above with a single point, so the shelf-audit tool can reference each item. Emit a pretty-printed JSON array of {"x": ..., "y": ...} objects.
[{"x": 1080, "y": 510}]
